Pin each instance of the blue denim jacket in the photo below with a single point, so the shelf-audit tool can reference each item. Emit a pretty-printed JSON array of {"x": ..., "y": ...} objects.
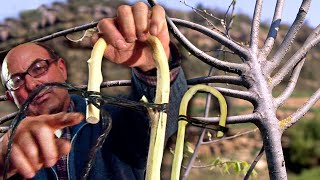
[{"x": 124, "y": 154}]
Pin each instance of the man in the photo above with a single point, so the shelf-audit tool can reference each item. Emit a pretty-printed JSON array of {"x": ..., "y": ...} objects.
[{"x": 38, "y": 153}]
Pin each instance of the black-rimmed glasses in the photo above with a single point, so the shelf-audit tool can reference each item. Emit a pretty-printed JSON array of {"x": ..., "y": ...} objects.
[{"x": 37, "y": 69}]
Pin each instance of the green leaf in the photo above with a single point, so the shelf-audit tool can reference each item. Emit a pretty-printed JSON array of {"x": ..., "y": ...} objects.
[
  {"x": 226, "y": 168},
  {"x": 237, "y": 167},
  {"x": 216, "y": 161},
  {"x": 188, "y": 148}
]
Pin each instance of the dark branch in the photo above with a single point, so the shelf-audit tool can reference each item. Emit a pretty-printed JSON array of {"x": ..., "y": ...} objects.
[
  {"x": 108, "y": 84},
  {"x": 8, "y": 117},
  {"x": 194, "y": 155},
  {"x": 228, "y": 24},
  {"x": 235, "y": 80},
  {"x": 254, "y": 163},
  {"x": 245, "y": 95},
  {"x": 250, "y": 118}
]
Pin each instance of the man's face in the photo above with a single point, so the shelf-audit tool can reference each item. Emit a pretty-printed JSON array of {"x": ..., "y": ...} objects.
[{"x": 52, "y": 100}]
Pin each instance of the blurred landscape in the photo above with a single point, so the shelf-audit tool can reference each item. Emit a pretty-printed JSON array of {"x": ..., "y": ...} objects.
[{"x": 301, "y": 143}]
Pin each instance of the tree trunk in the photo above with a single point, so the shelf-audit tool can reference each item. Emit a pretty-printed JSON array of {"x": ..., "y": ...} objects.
[{"x": 271, "y": 134}]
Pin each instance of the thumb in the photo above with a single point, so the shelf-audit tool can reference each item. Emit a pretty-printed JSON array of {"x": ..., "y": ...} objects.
[{"x": 94, "y": 38}]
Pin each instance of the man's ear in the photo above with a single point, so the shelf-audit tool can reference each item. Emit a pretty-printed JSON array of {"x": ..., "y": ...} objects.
[
  {"x": 9, "y": 96},
  {"x": 63, "y": 68}
]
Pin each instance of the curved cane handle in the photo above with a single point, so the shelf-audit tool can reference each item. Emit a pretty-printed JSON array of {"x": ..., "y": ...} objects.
[{"x": 178, "y": 154}]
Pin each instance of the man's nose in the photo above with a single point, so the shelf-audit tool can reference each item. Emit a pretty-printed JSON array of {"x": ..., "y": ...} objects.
[{"x": 31, "y": 83}]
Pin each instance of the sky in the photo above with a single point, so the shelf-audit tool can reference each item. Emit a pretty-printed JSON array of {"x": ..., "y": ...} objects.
[{"x": 11, "y": 8}]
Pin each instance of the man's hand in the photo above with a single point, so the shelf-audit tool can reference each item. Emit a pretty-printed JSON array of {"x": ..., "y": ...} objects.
[
  {"x": 127, "y": 33},
  {"x": 35, "y": 145}
]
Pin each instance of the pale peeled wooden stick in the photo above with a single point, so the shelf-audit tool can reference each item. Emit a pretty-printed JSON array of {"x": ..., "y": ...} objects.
[
  {"x": 95, "y": 78},
  {"x": 158, "y": 118}
]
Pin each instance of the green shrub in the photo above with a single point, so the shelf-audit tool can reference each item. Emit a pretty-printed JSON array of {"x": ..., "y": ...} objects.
[
  {"x": 304, "y": 146},
  {"x": 310, "y": 174}
]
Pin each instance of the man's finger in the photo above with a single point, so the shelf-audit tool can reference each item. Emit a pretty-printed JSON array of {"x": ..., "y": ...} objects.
[
  {"x": 157, "y": 20},
  {"x": 140, "y": 13},
  {"x": 30, "y": 150},
  {"x": 21, "y": 163},
  {"x": 111, "y": 34},
  {"x": 62, "y": 120},
  {"x": 126, "y": 24},
  {"x": 94, "y": 38},
  {"x": 46, "y": 145}
]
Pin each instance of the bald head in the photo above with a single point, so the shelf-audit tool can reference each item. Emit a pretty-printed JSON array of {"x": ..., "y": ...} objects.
[
  {"x": 30, "y": 65},
  {"x": 23, "y": 51}
]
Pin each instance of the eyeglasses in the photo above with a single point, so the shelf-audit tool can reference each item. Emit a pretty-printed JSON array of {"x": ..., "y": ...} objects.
[{"x": 37, "y": 69}]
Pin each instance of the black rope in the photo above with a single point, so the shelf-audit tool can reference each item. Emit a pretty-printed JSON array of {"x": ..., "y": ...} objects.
[
  {"x": 203, "y": 124},
  {"x": 94, "y": 98},
  {"x": 106, "y": 118}
]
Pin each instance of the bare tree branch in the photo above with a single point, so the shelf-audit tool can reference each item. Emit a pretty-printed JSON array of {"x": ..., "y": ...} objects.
[
  {"x": 8, "y": 117},
  {"x": 289, "y": 38},
  {"x": 4, "y": 129},
  {"x": 67, "y": 31},
  {"x": 312, "y": 40},
  {"x": 235, "y": 80},
  {"x": 242, "y": 52},
  {"x": 230, "y": 137},
  {"x": 57, "y": 34},
  {"x": 274, "y": 28},
  {"x": 229, "y": 24},
  {"x": 107, "y": 84},
  {"x": 249, "y": 118},
  {"x": 217, "y": 50},
  {"x": 254, "y": 163},
  {"x": 295, "y": 117},
  {"x": 291, "y": 85},
  {"x": 245, "y": 95},
  {"x": 3, "y": 98},
  {"x": 199, "y": 11},
  {"x": 225, "y": 66},
  {"x": 255, "y": 28},
  {"x": 194, "y": 155}
]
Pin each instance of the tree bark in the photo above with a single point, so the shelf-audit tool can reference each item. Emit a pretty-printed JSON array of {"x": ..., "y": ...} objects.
[{"x": 271, "y": 135}]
